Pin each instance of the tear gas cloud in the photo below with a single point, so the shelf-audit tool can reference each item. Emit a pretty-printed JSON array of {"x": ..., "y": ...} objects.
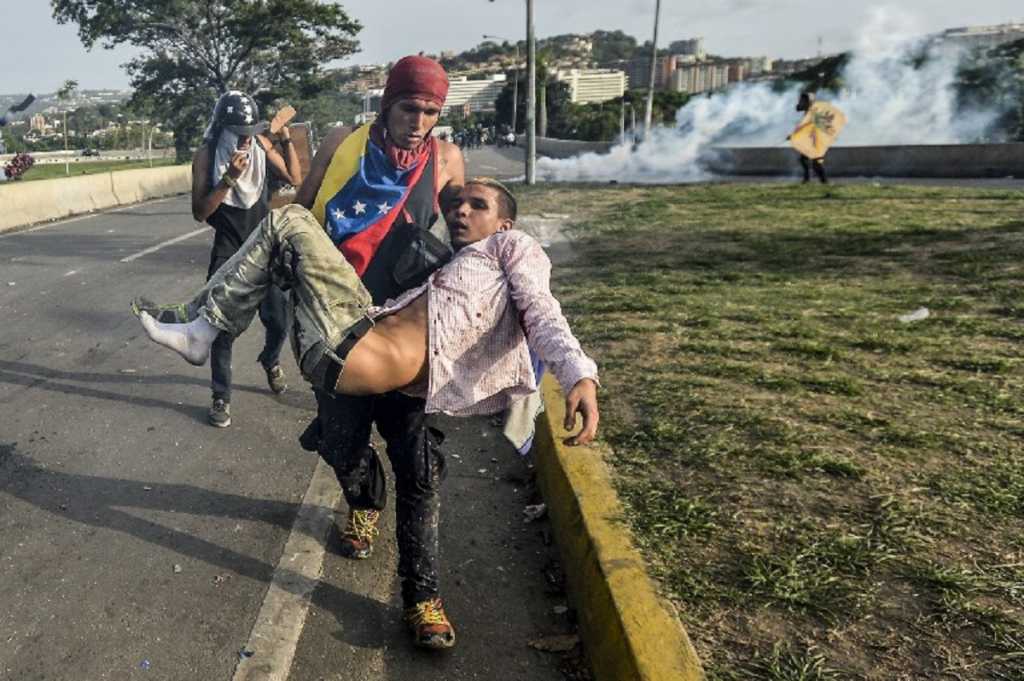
[{"x": 887, "y": 100}]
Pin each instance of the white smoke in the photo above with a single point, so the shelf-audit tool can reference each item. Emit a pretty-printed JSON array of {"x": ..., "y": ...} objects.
[{"x": 887, "y": 100}]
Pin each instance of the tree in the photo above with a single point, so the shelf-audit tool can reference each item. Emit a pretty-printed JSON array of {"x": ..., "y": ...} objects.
[
  {"x": 195, "y": 50},
  {"x": 66, "y": 92},
  {"x": 611, "y": 46},
  {"x": 555, "y": 98},
  {"x": 993, "y": 80}
]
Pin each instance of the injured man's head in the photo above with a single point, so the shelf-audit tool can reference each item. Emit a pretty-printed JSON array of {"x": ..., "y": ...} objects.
[{"x": 482, "y": 208}]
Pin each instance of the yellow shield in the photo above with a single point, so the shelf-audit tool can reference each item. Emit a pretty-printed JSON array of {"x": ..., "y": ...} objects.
[{"x": 818, "y": 130}]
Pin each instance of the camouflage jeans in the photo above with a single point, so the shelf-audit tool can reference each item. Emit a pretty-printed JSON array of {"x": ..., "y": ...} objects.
[{"x": 290, "y": 249}]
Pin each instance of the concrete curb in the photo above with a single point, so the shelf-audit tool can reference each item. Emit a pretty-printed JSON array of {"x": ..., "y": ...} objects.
[{"x": 628, "y": 634}]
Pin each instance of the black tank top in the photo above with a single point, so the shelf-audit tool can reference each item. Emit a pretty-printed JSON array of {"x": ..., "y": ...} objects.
[{"x": 419, "y": 214}]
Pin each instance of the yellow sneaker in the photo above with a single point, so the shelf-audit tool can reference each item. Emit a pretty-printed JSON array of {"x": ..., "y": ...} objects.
[
  {"x": 360, "y": 530},
  {"x": 430, "y": 626}
]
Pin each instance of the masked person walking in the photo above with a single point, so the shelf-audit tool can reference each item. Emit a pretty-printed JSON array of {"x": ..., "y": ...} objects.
[
  {"x": 230, "y": 193},
  {"x": 377, "y": 190}
]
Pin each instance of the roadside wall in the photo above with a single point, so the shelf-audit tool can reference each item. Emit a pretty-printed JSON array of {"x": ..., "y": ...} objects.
[
  {"x": 26, "y": 203},
  {"x": 923, "y": 160},
  {"x": 931, "y": 160},
  {"x": 556, "y": 148}
]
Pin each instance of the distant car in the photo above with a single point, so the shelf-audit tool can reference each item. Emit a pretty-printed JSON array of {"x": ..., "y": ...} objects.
[{"x": 90, "y": 152}]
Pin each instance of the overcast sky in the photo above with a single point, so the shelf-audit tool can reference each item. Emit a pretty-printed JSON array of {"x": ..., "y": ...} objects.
[{"x": 40, "y": 54}]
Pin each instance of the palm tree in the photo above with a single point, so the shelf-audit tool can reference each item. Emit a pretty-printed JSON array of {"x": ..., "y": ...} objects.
[{"x": 66, "y": 92}]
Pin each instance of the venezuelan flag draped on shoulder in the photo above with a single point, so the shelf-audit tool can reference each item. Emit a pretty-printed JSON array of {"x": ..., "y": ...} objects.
[{"x": 363, "y": 192}]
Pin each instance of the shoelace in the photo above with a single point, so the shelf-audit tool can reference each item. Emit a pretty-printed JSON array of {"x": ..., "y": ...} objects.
[
  {"x": 429, "y": 612},
  {"x": 363, "y": 524}
]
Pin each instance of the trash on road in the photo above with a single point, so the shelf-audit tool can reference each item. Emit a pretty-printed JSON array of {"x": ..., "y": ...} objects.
[
  {"x": 560, "y": 609},
  {"x": 534, "y": 512},
  {"x": 244, "y": 654},
  {"x": 145, "y": 664},
  {"x": 920, "y": 314},
  {"x": 561, "y": 643},
  {"x": 177, "y": 569}
]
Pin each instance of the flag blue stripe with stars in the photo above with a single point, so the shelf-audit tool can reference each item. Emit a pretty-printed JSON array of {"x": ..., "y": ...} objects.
[{"x": 367, "y": 197}]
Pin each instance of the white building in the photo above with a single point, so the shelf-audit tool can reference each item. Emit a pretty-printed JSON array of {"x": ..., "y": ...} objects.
[
  {"x": 470, "y": 96},
  {"x": 693, "y": 47},
  {"x": 985, "y": 37},
  {"x": 591, "y": 86},
  {"x": 703, "y": 77}
]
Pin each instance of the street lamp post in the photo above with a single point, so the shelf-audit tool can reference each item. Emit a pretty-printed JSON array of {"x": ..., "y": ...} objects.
[
  {"x": 649, "y": 114},
  {"x": 515, "y": 81},
  {"x": 531, "y": 97},
  {"x": 67, "y": 168}
]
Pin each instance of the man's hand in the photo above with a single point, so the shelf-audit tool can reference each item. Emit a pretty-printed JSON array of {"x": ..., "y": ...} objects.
[
  {"x": 583, "y": 399},
  {"x": 239, "y": 162}
]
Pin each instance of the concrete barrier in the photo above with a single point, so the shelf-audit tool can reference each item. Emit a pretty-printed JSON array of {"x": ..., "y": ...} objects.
[
  {"x": 26, "y": 203},
  {"x": 556, "y": 148},
  {"x": 922, "y": 160},
  {"x": 919, "y": 160}
]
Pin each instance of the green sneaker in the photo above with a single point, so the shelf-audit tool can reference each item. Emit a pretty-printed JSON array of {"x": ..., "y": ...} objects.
[
  {"x": 168, "y": 314},
  {"x": 276, "y": 380},
  {"x": 219, "y": 415}
]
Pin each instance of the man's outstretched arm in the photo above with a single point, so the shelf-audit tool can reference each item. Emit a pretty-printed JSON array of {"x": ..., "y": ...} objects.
[{"x": 528, "y": 270}]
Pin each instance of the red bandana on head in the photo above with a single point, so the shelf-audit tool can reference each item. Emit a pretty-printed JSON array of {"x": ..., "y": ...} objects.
[{"x": 412, "y": 76}]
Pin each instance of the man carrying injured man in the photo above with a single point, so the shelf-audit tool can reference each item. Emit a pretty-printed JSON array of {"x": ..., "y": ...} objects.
[{"x": 460, "y": 340}]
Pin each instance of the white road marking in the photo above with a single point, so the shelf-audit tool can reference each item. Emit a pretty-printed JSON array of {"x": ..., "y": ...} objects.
[
  {"x": 154, "y": 249},
  {"x": 275, "y": 634},
  {"x": 70, "y": 272}
]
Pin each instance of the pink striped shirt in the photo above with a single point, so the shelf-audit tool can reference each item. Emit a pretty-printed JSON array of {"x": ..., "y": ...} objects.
[{"x": 485, "y": 306}]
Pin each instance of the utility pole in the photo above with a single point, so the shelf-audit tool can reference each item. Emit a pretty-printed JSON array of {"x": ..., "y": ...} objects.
[
  {"x": 649, "y": 115},
  {"x": 531, "y": 97}
]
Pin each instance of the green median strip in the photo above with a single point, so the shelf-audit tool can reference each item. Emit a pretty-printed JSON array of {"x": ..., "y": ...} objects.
[
  {"x": 52, "y": 171},
  {"x": 827, "y": 481}
]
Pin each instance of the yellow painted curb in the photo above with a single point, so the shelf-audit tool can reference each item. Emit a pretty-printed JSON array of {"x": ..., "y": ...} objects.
[{"x": 628, "y": 633}]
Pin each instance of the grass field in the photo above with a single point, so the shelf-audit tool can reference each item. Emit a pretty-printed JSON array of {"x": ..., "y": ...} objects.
[
  {"x": 50, "y": 171},
  {"x": 824, "y": 491}
]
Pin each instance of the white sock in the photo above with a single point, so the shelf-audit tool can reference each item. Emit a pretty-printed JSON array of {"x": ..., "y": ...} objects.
[{"x": 192, "y": 341}]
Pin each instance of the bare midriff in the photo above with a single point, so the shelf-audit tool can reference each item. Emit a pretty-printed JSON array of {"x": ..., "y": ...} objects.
[{"x": 392, "y": 356}]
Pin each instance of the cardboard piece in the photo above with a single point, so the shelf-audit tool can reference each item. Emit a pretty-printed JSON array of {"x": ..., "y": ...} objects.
[{"x": 818, "y": 130}]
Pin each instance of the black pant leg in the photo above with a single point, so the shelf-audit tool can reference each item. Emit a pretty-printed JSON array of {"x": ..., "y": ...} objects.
[
  {"x": 414, "y": 449},
  {"x": 344, "y": 423},
  {"x": 806, "y": 163},
  {"x": 220, "y": 367},
  {"x": 274, "y": 316},
  {"x": 224, "y": 246},
  {"x": 819, "y": 170}
]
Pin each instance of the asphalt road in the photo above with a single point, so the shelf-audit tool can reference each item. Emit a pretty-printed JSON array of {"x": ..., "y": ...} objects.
[{"x": 137, "y": 542}]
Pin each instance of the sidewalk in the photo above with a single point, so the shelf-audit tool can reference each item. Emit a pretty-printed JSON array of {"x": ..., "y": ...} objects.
[{"x": 493, "y": 581}]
